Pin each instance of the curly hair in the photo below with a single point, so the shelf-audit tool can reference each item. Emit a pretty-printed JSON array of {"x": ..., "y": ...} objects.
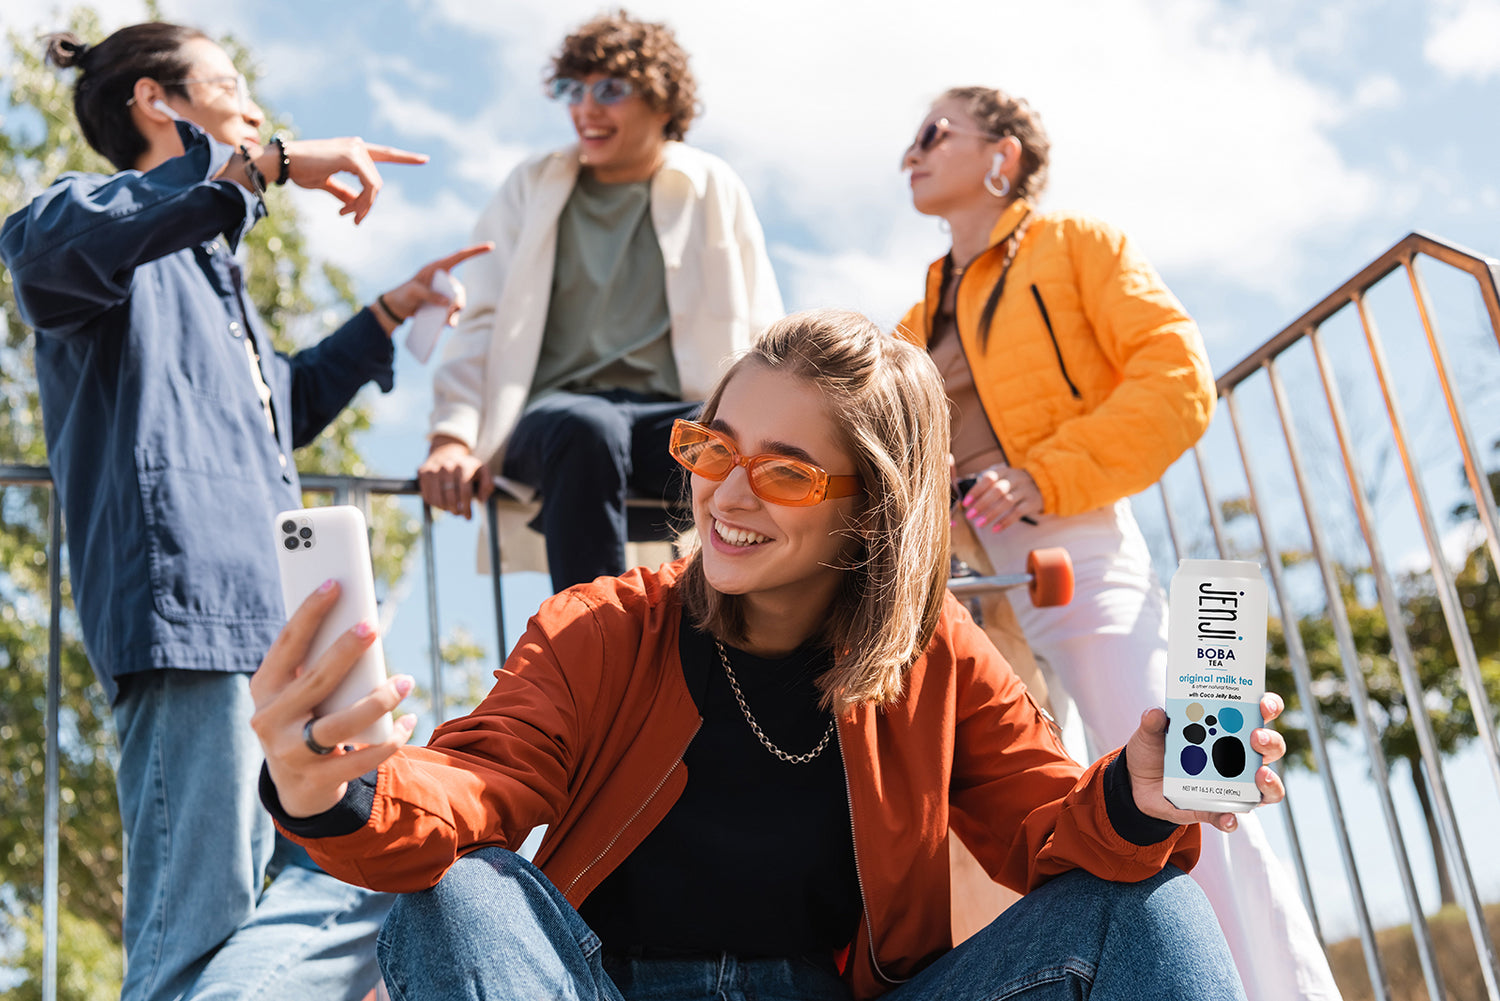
[
  {"x": 1000, "y": 114},
  {"x": 642, "y": 52}
]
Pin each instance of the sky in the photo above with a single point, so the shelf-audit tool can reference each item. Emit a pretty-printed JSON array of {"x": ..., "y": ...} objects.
[{"x": 1258, "y": 153}]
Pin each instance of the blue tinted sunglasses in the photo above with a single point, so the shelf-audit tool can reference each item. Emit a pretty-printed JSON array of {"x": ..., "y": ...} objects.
[{"x": 606, "y": 90}]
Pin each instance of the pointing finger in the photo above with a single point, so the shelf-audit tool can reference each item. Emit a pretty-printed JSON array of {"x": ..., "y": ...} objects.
[{"x": 390, "y": 154}]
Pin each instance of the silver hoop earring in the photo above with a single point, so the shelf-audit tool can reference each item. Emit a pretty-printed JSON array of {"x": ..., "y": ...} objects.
[{"x": 989, "y": 179}]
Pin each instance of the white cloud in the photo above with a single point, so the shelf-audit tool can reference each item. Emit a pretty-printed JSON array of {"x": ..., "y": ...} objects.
[
  {"x": 1456, "y": 544},
  {"x": 1465, "y": 39},
  {"x": 473, "y": 150},
  {"x": 290, "y": 69},
  {"x": 1378, "y": 92},
  {"x": 1177, "y": 121},
  {"x": 1173, "y": 121},
  {"x": 398, "y": 236},
  {"x": 881, "y": 286}
]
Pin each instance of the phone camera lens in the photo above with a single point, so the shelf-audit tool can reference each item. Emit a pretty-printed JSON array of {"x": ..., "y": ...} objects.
[
  {"x": 306, "y": 533},
  {"x": 291, "y": 543},
  {"x": 288, "y": 527}
]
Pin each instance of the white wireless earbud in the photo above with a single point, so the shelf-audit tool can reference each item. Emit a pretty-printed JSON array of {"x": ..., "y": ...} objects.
[
  {"x": 998, "y": 162},
  {"x": 166, "y": 109}
]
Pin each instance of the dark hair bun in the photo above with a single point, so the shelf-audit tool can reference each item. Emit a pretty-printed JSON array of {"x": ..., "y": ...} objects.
[{"x": 64, "y": 49}]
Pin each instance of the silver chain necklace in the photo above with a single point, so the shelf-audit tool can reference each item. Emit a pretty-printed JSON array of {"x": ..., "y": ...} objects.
[{"x": 739, "y": 696}]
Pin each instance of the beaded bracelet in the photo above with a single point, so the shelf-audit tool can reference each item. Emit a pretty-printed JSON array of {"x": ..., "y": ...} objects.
[{"x": 286, "y": 161}]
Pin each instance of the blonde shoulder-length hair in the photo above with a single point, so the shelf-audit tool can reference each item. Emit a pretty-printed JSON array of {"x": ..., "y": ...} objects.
[{"x": 887, "y": 399}]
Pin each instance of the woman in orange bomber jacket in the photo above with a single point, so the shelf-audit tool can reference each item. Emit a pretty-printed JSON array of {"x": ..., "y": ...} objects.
[
  {"x": 1076, "y": 378},
  {"x": 749, "y": 761}
]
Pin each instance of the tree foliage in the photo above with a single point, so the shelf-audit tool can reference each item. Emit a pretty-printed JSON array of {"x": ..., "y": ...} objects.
[
  {"x": 1446, "y": 702},
  {"x": 40, "y": 139}
]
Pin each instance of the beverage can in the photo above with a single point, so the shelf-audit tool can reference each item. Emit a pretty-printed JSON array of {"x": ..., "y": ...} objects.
[{"x": 1216, "y": 674}]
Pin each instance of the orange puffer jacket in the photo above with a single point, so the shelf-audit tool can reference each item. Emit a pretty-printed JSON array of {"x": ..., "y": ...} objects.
[
  {"x": 1094, "y": 378},
  {"x": 586, "y": 727}
]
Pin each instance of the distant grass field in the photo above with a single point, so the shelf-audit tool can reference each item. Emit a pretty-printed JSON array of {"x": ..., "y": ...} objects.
[{"x": 1452, "y": 944}]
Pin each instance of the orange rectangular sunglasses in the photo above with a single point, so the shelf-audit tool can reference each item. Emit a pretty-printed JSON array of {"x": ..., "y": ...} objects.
[{"x": 778, "y": 479}]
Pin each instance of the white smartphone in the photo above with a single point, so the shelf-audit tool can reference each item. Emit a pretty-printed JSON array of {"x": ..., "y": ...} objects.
[{"x": 331, "y": 543}]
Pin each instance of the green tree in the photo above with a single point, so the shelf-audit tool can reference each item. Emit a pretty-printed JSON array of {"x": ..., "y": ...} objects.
[
  {"x": 1448, "y": 707},
  {"x": 39, "y": 139}
]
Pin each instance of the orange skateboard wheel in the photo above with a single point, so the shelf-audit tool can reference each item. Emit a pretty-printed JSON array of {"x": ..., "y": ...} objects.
[{"x": 1051, "y": 573}]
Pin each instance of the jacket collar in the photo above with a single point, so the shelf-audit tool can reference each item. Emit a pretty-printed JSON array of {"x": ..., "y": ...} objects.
[
  {"x": 1004, "y": 227},
  {"x": 678, "y": 159},
  {"x": 1009, "y": 220}
]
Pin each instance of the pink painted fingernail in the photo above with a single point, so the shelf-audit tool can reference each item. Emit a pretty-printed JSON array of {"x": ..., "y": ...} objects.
[
  {"x": 326, "y": 586},
  {"x": 979, "y": 522},
  {"x": 404, "y": 684},
  {"x": 968, "y": 500},
  {"x": 364, "y": 629}
]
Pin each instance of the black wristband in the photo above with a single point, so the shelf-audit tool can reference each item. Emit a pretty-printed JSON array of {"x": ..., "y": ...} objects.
[
  {"x": 253, "y": 174},
  {"x": 286, "y": 161},
  {"x": 385, "y": 308}
]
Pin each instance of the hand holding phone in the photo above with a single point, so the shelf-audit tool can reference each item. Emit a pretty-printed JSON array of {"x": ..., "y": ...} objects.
[{"x": 331, "y": 543}]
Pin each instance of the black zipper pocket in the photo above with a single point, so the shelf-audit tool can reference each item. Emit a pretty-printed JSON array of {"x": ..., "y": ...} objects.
[{"x": 1061, "y": 365}]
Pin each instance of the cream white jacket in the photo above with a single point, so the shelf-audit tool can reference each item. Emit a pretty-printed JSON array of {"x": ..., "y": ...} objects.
[{"x": 721, "y": 291}]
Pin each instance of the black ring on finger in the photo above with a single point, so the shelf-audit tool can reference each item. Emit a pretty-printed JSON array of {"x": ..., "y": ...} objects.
[{"x": 313, "y": 745}]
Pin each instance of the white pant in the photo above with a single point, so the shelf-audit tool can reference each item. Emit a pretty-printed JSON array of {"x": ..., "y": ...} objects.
[{"x": 1107, "y": 652}]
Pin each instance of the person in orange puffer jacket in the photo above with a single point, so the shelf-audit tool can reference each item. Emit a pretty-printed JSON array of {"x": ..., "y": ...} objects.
[{"x": 1075, "y": 379}]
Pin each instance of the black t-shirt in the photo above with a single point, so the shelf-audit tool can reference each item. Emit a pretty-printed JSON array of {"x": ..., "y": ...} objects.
[{"x": 757, "y": 856}]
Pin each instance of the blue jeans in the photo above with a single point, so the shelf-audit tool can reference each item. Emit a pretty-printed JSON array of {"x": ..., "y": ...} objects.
[
  {"x": 200, "y": 921},
  {"x": 494, "y": 927},
  {"x": 583, "y": 452}
]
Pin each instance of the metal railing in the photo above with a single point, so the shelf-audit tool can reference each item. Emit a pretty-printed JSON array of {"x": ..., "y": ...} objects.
[
  {"x": 1316, "y": 507},
  {"x": 354, "y": 490},
  {"x": 1263, "y": 363}
]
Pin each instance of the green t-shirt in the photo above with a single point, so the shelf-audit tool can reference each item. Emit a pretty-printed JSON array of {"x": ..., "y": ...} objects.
[{"x": 608, "y": 326}]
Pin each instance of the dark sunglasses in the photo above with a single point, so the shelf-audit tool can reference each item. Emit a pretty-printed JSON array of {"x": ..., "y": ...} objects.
[
  {"x": 608, "y": 90},
  {"x": 778, "y": 479},
  {"x": 935, "y": 132}
]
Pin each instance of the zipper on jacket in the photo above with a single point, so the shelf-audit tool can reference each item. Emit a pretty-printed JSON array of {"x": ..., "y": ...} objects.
[
  {"x": 1036, "y": 294},
  {"x": 640, "y": 809},
  {"x": 864, "y": 901}
]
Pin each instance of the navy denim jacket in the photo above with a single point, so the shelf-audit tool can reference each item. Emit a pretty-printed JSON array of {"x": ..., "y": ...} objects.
[{"x": 158, "y": 443}]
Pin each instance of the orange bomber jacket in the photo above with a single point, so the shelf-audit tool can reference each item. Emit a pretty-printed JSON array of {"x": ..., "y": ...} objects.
[
  {"x": 1095, "y": 378},
  {"x": 586, "y": 727}
]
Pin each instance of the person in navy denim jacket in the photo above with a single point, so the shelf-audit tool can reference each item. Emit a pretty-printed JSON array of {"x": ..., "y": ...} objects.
[{"x": 170, "y": 424}]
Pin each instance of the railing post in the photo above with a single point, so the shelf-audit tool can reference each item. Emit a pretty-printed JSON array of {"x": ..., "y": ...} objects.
[
  {"x": 1359, "y": 696},
  {"x": 434, "y": 635},
  {"x": 1447, "y": 589},
  {"x": 1411, "y": 682},
  {"x": 1297, "y": 657},
  {"x": 1221, "y": 546},
  {"x": 1171, "y": 520},
  {"x": 51, "y": 778},
  {"x": 492, "y": 522},
  {"x": 1479, "y": 483}
]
